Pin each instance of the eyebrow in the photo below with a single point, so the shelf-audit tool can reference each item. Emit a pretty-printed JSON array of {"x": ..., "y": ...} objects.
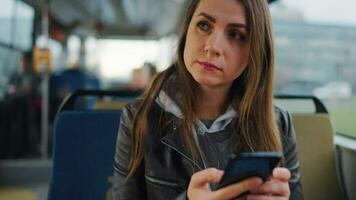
[{"x": 211, "y": 18}]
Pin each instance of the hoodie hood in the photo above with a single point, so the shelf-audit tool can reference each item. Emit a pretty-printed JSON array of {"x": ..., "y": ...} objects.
[{"x": 171, "y": 102}]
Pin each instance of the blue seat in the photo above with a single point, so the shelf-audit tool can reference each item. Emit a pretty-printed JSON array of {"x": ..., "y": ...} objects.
[
  {"x": 83, "y": 154},
  {"x": 70, "y": 80}
]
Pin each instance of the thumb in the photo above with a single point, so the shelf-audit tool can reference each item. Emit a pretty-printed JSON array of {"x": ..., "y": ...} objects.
[
  {"x": 236, "y": 189},
  {"x": 206, "y": 176}
]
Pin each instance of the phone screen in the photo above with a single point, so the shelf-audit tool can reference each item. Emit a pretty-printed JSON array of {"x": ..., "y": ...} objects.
[{"x": 246, "y": 165}]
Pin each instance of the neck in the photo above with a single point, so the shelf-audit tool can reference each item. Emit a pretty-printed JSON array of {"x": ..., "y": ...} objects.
[{"x": 213, "y": 102}]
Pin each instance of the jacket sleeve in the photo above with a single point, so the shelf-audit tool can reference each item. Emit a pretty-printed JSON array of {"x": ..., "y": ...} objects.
[
  {"x": 290, "y": 154},
  {"x": 134, "y": 188}
]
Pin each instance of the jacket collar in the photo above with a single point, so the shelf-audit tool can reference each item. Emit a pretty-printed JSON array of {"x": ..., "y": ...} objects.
[
  {"x": 169, "y": 99},
  {"x": 170, "y": 102},
  {"x": 220, "y": 123}
]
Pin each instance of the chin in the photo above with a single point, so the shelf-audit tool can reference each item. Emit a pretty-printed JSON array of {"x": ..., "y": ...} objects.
[
  {"x": 207, "y": 81},
  {"x": 204, "y": 78}
]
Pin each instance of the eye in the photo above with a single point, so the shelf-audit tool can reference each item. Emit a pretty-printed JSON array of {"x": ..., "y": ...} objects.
[
  {"x": 203, "y": 25},
  {"x": 237, "y": 35}
]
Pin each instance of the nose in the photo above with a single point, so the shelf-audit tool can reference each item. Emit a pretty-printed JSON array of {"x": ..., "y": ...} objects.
[{"x": 214, "y": 44}]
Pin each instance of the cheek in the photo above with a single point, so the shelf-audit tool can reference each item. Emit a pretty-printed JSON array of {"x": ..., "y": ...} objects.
[
  {"x": 238, "y": 63},
  {"x": 241, "y": 58},
  {"x": 188, "y": 51},
  {"x": 236, "y": 72},
  {"x": 186, "y": 57}
]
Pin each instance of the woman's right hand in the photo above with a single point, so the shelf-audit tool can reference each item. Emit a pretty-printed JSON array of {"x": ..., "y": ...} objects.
[{"x": 199, "y": 186}]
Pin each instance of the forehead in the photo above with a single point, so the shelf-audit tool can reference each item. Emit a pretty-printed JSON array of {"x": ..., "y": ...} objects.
[{"x": 231, "y": 11}]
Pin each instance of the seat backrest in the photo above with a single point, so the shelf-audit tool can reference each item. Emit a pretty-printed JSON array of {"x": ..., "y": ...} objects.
[
  {"x": 83, "y": 154},
  {"x": 316, "y": 156},
  {"x": 103, "y": 105}
]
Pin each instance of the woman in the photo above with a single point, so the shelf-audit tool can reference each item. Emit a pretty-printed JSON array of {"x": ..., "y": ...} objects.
[{"x": 215, "y": 100}]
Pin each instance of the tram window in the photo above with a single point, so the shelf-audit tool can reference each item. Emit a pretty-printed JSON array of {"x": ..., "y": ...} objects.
[
  {"x": 6, "y": 17},
  {"x": 73, "y": 48},
  {"x": 119, "y": 59},
  {"x": 58, "y": 58},
  {"x": 8, "y": 65},
  {"x": 16, "y": 24},
  {"x": 315, "y": 55},
  {"x": 24, "y": 17}
]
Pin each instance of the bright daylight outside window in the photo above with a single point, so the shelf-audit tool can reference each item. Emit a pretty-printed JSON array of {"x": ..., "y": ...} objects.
[
  {"x": 315, "y": 55},
  {"x": 118, "y": 59},
  {"x": 16, "y": 21}
]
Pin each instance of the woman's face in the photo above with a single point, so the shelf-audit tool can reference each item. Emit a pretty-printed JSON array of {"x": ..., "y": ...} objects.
[{"x": 217, "y": 48}]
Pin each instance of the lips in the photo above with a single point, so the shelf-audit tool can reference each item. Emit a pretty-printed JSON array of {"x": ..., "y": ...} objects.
[{"x": 209, "y": 66}]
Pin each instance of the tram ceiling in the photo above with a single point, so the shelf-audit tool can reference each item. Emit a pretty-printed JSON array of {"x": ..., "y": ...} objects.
[{"x": 106, "y": 18}]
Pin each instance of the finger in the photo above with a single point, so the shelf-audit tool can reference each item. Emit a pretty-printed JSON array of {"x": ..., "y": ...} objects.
[
  {"x": 236, "y": 189},
  {"x": 274, "y": 187},
  {"x": 206, "y": 176},
  {"x": 281, "y": 173},
  {"x": 263, "y": 197}
]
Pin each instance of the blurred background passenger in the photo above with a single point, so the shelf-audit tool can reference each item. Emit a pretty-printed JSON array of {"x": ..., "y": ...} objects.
[
  {"x": 22, "y": 110},
  {"x": 67, "y": 81},
  {"x": 141, "y": 77}
]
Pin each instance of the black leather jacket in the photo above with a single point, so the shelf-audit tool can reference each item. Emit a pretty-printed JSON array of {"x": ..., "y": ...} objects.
[{"x": 167, "y": 167}]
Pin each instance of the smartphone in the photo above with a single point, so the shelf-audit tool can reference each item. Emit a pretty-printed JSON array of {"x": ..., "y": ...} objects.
[{"x": 249, "y": 164}]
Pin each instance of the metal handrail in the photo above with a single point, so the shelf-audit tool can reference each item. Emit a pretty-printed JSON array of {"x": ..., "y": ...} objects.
[
  {"x": 319, "y": 106},
  {"x": 69, "y": 101}
]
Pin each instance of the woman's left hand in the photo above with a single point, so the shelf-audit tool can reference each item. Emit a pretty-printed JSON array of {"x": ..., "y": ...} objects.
[{"x": 276, "y": 187}]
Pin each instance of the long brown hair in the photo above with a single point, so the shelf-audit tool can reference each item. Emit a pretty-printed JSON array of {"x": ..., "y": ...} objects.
[{"x": 255, "y": 128}]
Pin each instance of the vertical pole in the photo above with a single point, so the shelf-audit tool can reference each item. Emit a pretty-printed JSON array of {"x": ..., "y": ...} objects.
[
  {"x": 45, "y": 86},
  {"x": 44, "y": 115}
]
